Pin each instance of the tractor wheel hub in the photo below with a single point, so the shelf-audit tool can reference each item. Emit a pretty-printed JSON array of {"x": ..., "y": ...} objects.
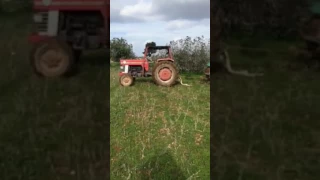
[
  {"x": 126, "y": 80},
  {"x": 52, "y": 60},
  {"x": 165, "y": 74}
]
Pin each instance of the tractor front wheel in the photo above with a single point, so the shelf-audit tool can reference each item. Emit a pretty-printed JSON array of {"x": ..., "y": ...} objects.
[
  {"x": 52, "y": 58},
  {"x": 126, "y": 80},
  {"x": 165, "y": 73}
]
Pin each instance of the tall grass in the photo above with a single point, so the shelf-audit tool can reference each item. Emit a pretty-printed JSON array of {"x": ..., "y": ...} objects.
[
  {"x": 159, "y": 132},
  {"x": 50, "y": 128},
  {"x": 267, "y": 127}
]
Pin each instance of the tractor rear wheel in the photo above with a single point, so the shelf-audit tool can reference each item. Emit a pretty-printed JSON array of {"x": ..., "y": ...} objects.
[
  {"x": 207, "y": 73},
  {"x": 52, "y": 58},
  {"x": 126, "y": 80},
  {"x": 165, "y": 73}
]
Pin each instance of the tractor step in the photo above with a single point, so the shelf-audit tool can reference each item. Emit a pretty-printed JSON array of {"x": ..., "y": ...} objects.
[{"x": 148, "y": 73}]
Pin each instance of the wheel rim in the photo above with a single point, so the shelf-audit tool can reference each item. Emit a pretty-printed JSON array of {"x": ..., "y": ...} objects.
[
  {"x": 53, "y": 61},
  {"x": 126, "y": 81},
  {"x": 165, "y": 74}
]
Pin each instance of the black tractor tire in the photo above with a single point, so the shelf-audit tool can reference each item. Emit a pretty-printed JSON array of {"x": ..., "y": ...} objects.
[
  {"x": 126, "y": 80},
  {"x": 45, "y": 54},
  {"x": 167, "y": 66},
  {"x": 32, "y": 56}
]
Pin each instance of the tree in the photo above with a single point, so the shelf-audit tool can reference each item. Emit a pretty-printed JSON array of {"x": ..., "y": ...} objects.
[
  {"x": 271, "y": 18},
  {"x": 191, "y": 55},
  {"x": 14, "y": 6},
  {"x": 120, "y": 48}
]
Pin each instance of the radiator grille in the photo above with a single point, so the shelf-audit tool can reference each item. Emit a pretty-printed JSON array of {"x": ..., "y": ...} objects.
[{"x": 43, "y": 26}]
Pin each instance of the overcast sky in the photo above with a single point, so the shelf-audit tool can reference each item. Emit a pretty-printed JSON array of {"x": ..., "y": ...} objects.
[{"x": 141, "y": 21}]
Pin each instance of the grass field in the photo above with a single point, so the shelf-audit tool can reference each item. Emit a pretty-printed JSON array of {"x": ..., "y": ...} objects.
[
  {"x": 159, "y": 132},
  {"x": 264, "y": 128},
  {"x": 267, "y": 127},
  {"x": 50, "y": 129},
  {"x": 57, "y": 129}
]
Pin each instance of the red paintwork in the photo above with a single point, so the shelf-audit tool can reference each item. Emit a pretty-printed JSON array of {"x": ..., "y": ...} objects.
[
  {"x": 165, "y": 74},
  {"x": 136, "y": 62},
  {"x": 36, "y": 38},
  {"x": 105, "y": 11}
]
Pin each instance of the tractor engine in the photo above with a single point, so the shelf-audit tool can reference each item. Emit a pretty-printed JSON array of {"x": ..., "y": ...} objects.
[
  {"x": 136, "y": 71},
  {"x": 82, "y": 30},
  {"x": 83, "y": 24}
]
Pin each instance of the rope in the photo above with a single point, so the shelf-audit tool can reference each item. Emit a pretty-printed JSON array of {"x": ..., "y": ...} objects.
[
  {"x": 242, "y": 73},
  {"x": 180, "y": 80}
]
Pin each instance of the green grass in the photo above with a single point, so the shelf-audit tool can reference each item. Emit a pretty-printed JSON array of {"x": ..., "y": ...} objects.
[
  {"x": 160, "y": 132},
  {"x": 57, "y": 128},
  {"x": 266, "y": 127},
  {"x": 50, "y": 129}
]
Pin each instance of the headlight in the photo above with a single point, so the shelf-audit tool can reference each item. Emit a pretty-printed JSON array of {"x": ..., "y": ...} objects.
[{"x": 121, "y": 67}]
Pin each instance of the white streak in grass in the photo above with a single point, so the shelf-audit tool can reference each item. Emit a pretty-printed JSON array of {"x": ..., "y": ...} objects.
[
  {"x": 129, "y": 172},
  {"x": 191, "y": 177},
  {"x": 143, "y": 148}
]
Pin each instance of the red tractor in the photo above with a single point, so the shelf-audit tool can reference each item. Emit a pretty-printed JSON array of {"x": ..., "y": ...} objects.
[
  {"x": 63, "y": 29},
  {"x": 164, "y": 71}
]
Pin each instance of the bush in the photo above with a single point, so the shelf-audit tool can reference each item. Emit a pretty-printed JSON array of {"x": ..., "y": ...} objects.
[
  {"x": 13, "y": 6},
  {"x": 276, "y": 18},
  {"x": 191, "y": 55},
  {"x": 120, "y": 48}
]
